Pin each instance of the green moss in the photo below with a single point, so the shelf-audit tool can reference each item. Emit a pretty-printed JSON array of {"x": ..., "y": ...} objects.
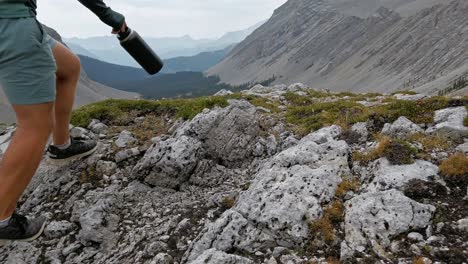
[
  {"x": 417, "y": 111},
  {"x": 405, "y": 92},
  {"x": 227, "y": 202},
  {"x": 262, "y": 102},
  {"x": 309, "y": 115},
  {"x": 317, "y": 115},
  {"x": 111, "y": 110}
]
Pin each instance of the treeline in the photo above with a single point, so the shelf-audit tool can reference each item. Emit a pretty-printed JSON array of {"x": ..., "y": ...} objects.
[
  {"x": 459, "y": 84},
  {"x": 183, "y": 85}
]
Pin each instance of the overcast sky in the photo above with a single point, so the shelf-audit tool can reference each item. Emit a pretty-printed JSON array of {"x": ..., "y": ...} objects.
[{"x": 160, "y": 18}]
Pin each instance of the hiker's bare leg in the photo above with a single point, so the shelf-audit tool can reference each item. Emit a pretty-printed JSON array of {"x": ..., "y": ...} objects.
[
  {"x": 68, "y": 74},
  {"x": 24, "y": 153}
]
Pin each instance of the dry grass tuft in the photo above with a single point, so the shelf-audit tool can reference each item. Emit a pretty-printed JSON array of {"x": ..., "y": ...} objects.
[
  {"x": 419, "y": 260},
  {"x": 455, "y": 168},
  {"x": 335, "y": 211},
  {"x": 323, "y": 228},
  {"x": 227, "y": 202},
  {"x": 365, "y": 158},
  {"x": 333, "y": 260},
  {"x": 397, "y": 151},
  {"x": 431, "y": 142},
  {"x": 347, "y": 185}
]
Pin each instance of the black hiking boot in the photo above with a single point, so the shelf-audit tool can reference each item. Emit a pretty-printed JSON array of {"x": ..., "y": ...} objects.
[
  {"x": 19, "y": 228},
  {"x": 77, "y": 149}
]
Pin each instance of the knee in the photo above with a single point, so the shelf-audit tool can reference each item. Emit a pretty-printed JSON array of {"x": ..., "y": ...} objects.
[
  {"x": 75, "y": 67},
  {"x": 72, "y": 69}
]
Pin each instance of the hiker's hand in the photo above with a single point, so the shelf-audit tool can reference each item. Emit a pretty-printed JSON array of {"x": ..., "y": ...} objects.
[{"x": 123, "y": 29}]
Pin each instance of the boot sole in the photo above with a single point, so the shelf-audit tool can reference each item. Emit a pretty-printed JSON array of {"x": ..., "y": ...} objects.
[
  {"x": 3, "y": 242},
  {"x": 76, "y": 157}
]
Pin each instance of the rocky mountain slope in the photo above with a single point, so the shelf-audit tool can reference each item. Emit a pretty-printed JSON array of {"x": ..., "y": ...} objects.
[
  {"x": 88, "y": 91},
  {"x": 356, "y": 45},
  {"x": 279, "y": 174}
]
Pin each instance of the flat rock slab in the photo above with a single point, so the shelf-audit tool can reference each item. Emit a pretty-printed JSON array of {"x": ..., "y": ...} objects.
[
  {"x": 387, "y": 176},
  {"x": 372, "y": 219}
]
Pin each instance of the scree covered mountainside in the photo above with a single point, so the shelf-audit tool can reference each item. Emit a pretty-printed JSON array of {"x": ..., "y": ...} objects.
[{"x": 356, "y": 45}]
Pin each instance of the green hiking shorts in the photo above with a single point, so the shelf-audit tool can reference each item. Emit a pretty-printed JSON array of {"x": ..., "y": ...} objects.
[{"x": 27, "y": 65}]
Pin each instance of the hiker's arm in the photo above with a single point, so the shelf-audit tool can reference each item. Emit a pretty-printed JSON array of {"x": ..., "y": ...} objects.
[{"x": 105, "y": 13}]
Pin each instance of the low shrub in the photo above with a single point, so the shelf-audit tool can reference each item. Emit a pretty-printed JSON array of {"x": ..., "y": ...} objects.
[
  {"x": 455, "y": 169},
  {"x": 399, "y": 152}
]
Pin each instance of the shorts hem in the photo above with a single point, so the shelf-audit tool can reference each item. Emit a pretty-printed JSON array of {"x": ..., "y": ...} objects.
[{"x": 41, "y": 100}]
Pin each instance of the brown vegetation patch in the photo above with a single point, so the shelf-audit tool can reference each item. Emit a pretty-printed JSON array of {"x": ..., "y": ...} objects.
[{"x": 455, "y": 169}]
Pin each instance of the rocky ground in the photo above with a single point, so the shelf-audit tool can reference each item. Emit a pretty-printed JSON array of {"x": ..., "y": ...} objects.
[{"x": 277, "y": 175}]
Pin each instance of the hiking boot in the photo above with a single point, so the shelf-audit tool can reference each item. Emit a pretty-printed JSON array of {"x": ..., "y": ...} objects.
[
  {"x": 19, "y": 228},
  {"x": 77, "y": 149}
]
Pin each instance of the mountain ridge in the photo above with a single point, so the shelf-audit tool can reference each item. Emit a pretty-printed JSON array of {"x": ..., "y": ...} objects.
[
  {"x": 107, "y": 48},
  {"x": 313, "y": 43}
]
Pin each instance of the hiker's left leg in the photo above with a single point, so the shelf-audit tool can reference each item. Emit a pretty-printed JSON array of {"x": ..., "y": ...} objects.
[{"x": 68, "y": 74}]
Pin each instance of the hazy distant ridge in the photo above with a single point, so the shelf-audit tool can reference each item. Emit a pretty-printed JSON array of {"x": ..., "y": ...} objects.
[{"x": 107, "y": 48}]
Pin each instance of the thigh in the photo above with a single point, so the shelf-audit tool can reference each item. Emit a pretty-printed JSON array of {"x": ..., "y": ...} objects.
[
  {"x": 68, "y": 64},
  {"x": 27, "y": 66}
]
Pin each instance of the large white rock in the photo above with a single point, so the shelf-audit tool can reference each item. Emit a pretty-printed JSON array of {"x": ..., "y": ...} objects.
[
  {"x": 324, "y": 135},
  {"x": 5, "y": 139},
  {"x": 374, "y": 218},
  {"x": 410, "y": 97},
  {"x": 463, "y": 148},
  {"x": 274, "y": 92},
  {"x": 360, "y": 129},
  {"x": 401, "y": 128},
  {"x": 297, "y": 87},
  {"x": 284, "y": 197},
  {"x": 223, "y": 92},
  {"x": 213, "y": 256},
  {"x": 235, "y": 128},
  {"x": 168, "y": 163},
  {"x": 125, "y": 139},
  {"x": 98, "y": 223},
  {"x": 386, "y": 176},
  {"x": 225, "y": 135},
  {"x": 97, "y": 127},
  {"x": 449, "y": 123}
]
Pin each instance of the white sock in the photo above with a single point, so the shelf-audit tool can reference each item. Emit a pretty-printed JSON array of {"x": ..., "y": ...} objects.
[
  {"x": 4, "y": 222},
  {"x": 64, "y": 146}
]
